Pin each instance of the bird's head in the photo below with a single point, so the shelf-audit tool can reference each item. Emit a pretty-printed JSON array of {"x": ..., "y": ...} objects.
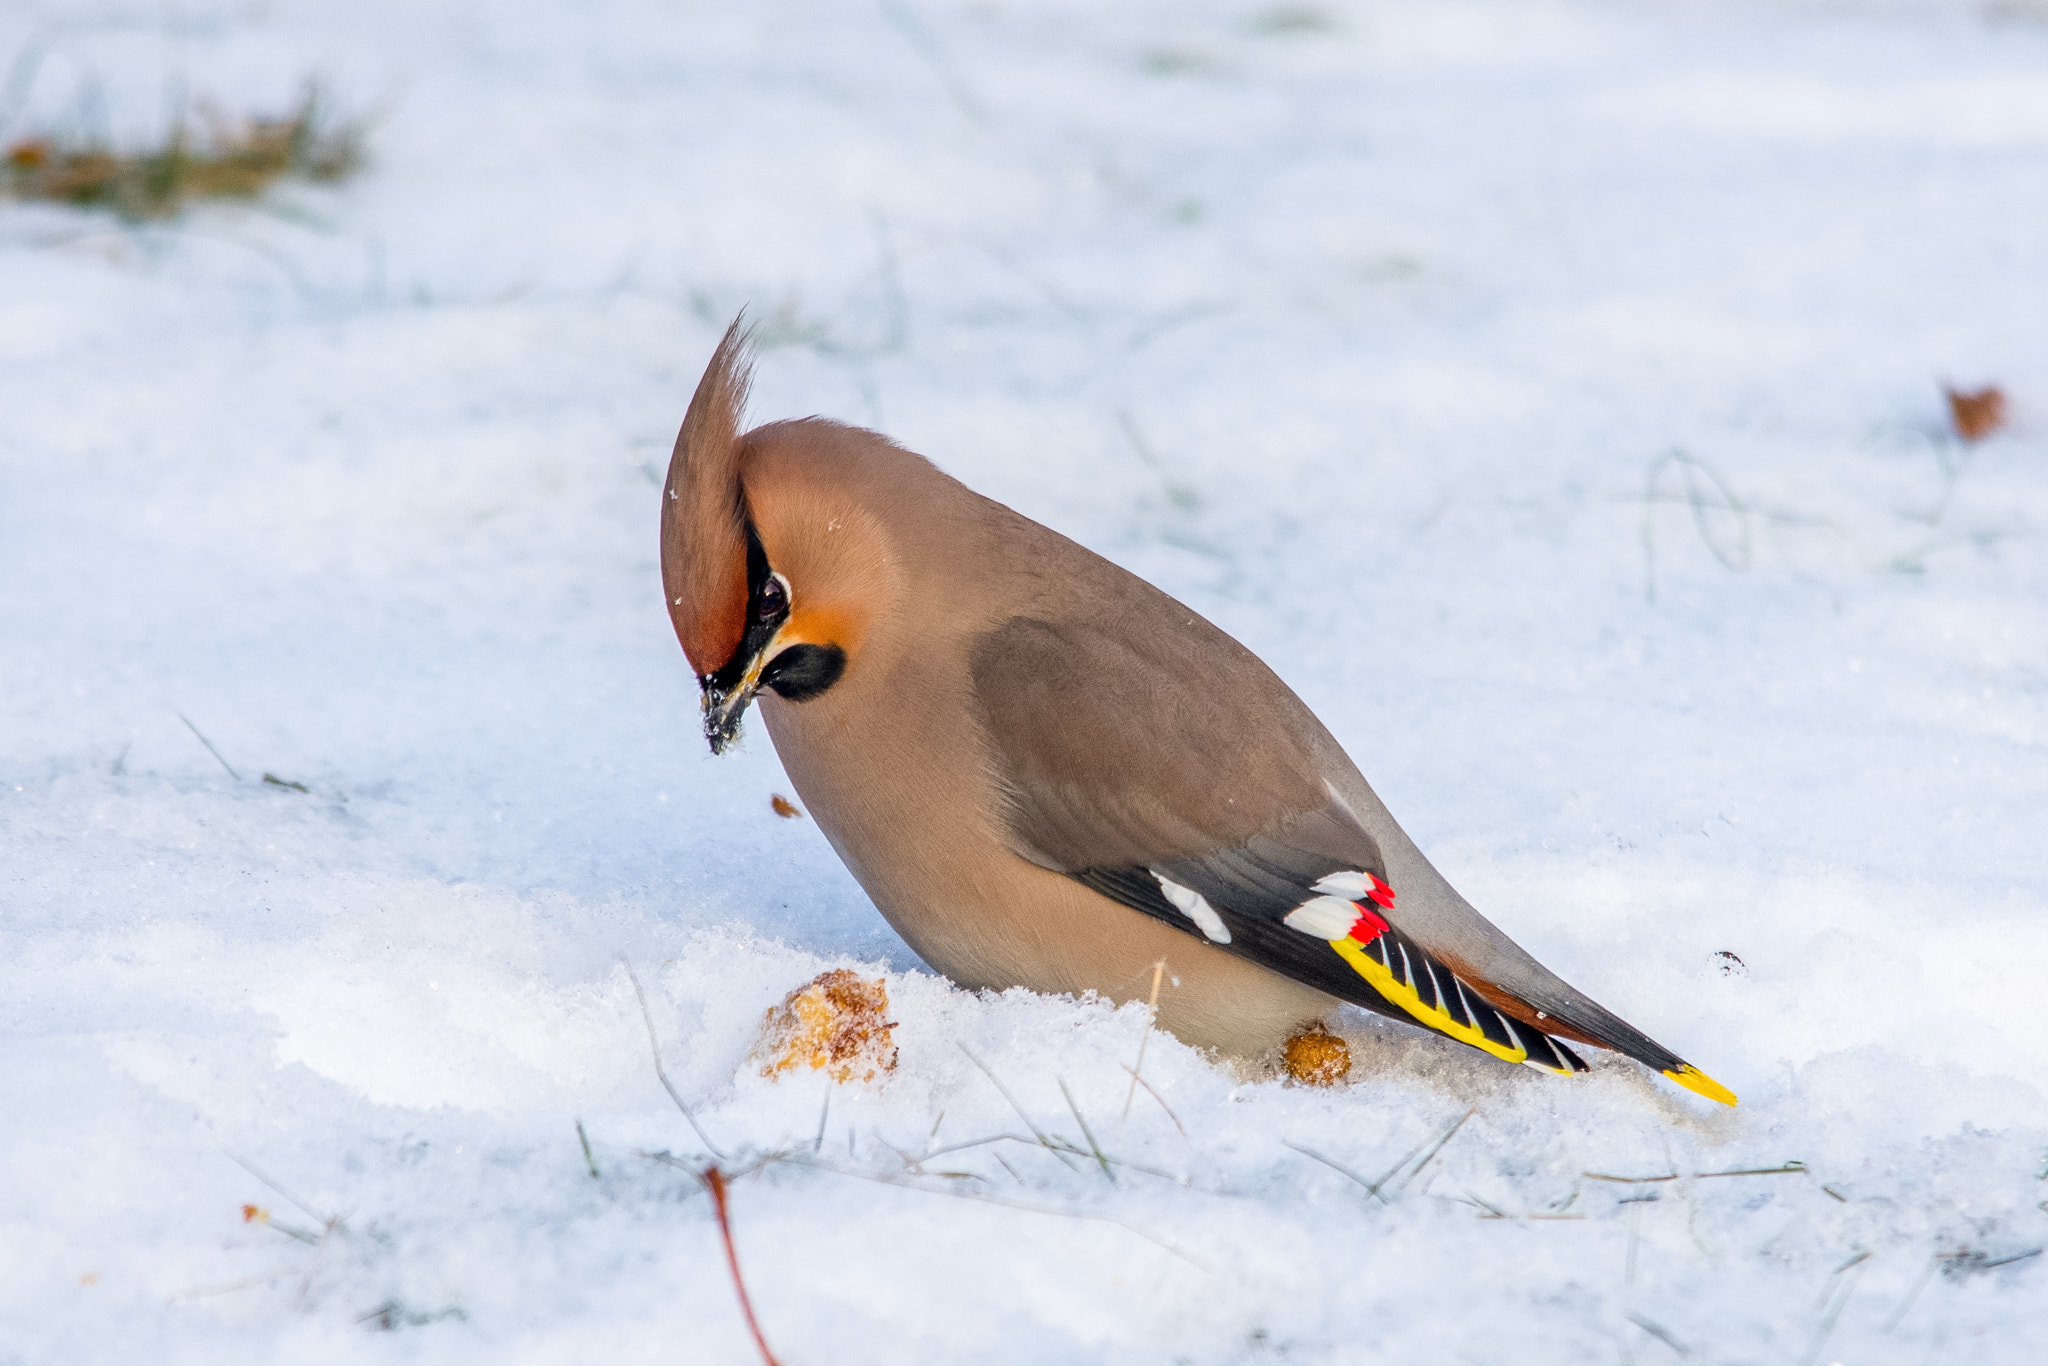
[{"x": 773, "y": 570}]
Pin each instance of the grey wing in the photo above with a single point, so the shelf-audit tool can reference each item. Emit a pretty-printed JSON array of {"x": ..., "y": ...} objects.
[{"x": 1172, "y": 772}]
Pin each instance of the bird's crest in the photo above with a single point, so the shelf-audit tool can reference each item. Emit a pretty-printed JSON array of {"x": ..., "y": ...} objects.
[{"x": 704, "y": 513}]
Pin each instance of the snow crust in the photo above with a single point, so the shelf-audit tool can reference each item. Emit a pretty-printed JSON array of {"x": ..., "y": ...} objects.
[{"x": 1370, "y": 330}]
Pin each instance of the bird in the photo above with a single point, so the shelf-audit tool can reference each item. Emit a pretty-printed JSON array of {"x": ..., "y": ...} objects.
[{"x": 1046, "y": 772}]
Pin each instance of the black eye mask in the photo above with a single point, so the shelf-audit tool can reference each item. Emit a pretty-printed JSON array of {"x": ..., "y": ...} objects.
[
  {"x": 767, "y": 609},
  {"x": 796, "y": 674}
]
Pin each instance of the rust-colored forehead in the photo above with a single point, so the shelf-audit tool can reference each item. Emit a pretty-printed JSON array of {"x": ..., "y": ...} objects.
[{"x": 703, "y": 514}]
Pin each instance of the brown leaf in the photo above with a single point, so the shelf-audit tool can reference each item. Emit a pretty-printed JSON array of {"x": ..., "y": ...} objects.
[
  {"x": 784, "y": 807},
  {"x": 1977, "y": 415}
]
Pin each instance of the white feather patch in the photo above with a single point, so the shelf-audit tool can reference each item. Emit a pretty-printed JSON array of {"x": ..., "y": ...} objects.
[
  {"x": 1352, "y": 886},
  {"x": 1195, "y": 907},
  {"x": 1326, "y": 917}
]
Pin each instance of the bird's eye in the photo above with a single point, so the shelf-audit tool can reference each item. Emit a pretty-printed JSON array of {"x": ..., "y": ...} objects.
[{"x": 773, "y": 600}]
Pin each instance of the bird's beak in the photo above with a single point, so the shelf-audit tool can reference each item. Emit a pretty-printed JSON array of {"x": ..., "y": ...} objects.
[{"x": 725, "y": 701}]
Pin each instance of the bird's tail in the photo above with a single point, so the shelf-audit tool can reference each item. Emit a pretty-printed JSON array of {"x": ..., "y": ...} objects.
[{"x": 1462, "y": 1005}]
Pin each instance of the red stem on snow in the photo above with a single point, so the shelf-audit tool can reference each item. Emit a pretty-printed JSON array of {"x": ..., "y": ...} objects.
[{"x": 715, "y": 1180}]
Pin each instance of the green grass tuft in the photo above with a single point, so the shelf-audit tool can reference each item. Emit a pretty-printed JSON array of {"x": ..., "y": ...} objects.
[{"x": 222, "y": 159}]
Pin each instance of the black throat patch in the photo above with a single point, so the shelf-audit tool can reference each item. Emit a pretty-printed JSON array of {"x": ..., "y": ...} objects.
[{"x": 803, "y": 671}]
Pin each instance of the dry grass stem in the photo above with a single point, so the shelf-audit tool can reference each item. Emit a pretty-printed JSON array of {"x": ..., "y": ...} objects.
[
  {"x": 1093, "y": 1146},
  {"x": 324, "y": 1220},
  {"x": 1493, "y": 1212},
  {"x": 207, "y": 1291},
  {"x": 1053, "y": 1145},
  {"x": 1151, "y": 1016},
  {"x": 588, "y": 1160},
  {"x": 1150, "y": 1091},
  {"x": 1697, "y": 477},
  {"x": 1430, "y": 1156},
  {"x": 1940, "y": 1261},
  {"x": 209, "y": 747},
  {"x": 669, "y": 1159},
  {"x": 934, "y": 56},
  {"x": 1912, "y": 1296},
  {"x": 1004, "y": 1091},
  {"x": 1372, "y": 1188},
  {"x": 1159, "y": 1240},
  {"x": 978, "y": 1143},
  {"x": 1840, "y": 1287},
  {"x": 654, "y": 1049},
  {"x": 1662, "y": 1334},
  {"x": 714, "y": 1181},
  {"x": 1488, "y": 1211},
  {"x": 1794, "y": 1168},
  {"x": 1635, "y": 1219}
]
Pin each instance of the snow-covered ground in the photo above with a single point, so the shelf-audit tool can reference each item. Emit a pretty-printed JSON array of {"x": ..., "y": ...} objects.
[{"x": 1371, "y": 331}]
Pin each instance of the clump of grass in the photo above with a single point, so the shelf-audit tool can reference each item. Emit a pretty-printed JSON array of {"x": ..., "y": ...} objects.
[{"x": 220, "y": 158}]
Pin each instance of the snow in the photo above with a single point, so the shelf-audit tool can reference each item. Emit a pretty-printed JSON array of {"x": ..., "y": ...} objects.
[{"x": 1369, "y": 330}]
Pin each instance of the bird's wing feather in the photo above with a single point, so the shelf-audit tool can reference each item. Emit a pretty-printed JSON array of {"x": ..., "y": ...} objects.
[{"x": 1149, "y": 779}]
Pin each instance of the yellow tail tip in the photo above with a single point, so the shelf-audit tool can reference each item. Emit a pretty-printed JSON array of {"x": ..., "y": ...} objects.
[{"x": 1692, "y": 1079}]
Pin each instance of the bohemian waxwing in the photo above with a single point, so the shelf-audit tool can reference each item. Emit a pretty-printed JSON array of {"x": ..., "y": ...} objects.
[{"x": 1047, "y": 773}]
